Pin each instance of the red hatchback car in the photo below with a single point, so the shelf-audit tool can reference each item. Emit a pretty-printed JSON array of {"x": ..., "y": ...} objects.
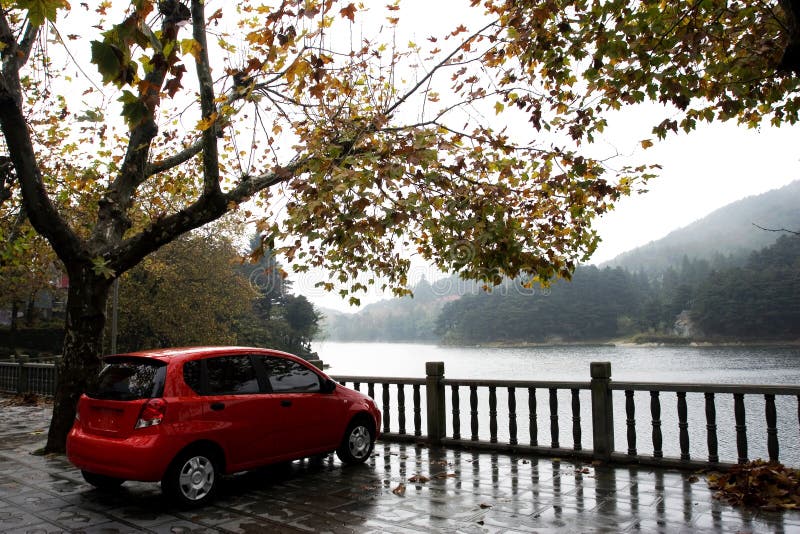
[{"x": 184, "y": 416}]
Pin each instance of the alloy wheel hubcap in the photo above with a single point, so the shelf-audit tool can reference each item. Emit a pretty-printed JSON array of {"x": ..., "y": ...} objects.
[
  {"x": 196, "y": 478},
  {"x": 359, "y": 442}
]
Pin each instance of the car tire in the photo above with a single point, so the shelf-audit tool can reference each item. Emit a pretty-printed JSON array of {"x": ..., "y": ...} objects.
[
  {"x": 357, "y": 443},
  {"x": 102, "y": 482},
  {"x": 192, "y": 478}
]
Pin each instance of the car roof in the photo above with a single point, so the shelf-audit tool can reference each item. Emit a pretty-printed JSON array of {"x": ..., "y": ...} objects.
[{"x": 191, "y": 353}]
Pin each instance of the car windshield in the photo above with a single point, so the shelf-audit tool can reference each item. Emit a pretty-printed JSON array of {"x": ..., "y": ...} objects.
[{"x": 130, "y": 379}]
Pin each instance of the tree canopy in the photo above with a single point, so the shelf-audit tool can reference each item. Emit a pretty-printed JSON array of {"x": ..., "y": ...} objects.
[{"x": 709, "y": 60}]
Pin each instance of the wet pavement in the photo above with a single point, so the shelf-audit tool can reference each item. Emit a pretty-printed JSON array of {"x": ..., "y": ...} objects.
[{"x": 402, "y": 488}]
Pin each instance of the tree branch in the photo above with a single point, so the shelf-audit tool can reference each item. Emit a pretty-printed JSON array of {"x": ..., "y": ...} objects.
[
  {"x": 208, "y": 108},
  {"x": 794, "y": 232},
  {"x": 41, "y": 212},
  {"x": 112, "y": 219},
  {"x": 434, "y": 70},
  {"x": 173, "y": 161}
]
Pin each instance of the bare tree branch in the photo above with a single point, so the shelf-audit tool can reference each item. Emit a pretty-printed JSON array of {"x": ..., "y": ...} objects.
[
  {"x": 173, "y": 161},
  {"x": 794, "y": 232}
]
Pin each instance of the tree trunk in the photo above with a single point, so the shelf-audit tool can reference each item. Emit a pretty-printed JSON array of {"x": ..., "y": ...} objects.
[{"x": 85, "y": 321}]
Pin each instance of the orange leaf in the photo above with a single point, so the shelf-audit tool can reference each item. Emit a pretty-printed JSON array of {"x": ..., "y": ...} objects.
[{"x": 349, "y": 12}]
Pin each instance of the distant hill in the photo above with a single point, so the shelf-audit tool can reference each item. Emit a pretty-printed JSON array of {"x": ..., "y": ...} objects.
[
  {"x": 397, "y": 319},
  {"x": 728, "y": 231}
]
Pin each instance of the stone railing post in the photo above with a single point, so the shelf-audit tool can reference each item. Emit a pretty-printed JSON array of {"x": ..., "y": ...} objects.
[
  {"x": 602, "y": 410},
  {"x": 22, "y": 377},
  {"x": 434, "y": 391}
]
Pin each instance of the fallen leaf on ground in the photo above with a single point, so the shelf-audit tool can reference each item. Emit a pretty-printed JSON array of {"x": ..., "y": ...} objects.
[
  {"x": 400, "y": 490},
  {"x": 484, "y": 505},
  {"x": 419, "y": 479}
]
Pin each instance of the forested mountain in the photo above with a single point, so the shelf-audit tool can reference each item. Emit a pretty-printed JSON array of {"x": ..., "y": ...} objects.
[
  {"x": 728, "y": 231},
  {"x": 590, "y": 307},
  {"x": 757, "y": 301}
]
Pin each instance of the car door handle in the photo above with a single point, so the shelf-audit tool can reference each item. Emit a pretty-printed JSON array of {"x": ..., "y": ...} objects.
[
  {"x": 217, "y": 406},
  {"x": 286, "y": 403}
]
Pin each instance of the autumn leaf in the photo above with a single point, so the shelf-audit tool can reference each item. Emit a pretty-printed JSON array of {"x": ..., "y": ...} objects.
[
  {"x": 190, "y": 46},
  {"x": 400, "y": 490},
  {"x": 206, "y": 123},
  {"x": 348, "y": 12},
  {"x": 419, "y": 479}
]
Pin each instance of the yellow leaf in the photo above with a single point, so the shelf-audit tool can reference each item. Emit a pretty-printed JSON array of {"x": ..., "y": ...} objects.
[
  {"x": 646, "y": 143},
  {"x": 190, "y": 46},
  {"x": 206, "y": 123},
  {"x": 498, "y": 107}
]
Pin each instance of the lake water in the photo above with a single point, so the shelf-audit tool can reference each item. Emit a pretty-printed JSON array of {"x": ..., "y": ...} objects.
[{"x": 730, "y": 365}]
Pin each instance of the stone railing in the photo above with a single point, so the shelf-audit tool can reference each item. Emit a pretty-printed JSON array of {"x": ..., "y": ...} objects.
[{"x": 516, "y": 421}]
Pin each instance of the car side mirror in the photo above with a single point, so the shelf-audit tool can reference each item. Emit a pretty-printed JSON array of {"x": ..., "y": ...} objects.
[{"x": 329, "y": 386}]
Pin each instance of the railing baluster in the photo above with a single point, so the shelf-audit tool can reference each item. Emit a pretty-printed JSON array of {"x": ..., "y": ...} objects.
[
  {"x": 576, "y": 420},
  {"x": 512, "y": 416},
  {"x": 711, "y": 428},
  {"x": 357, "y": 386},
  {"x": 533, "y": 425},
  {"x": 741, "y": 426},
  {"x": 772, "y": 427},
  {"x": 386, "y": 407},
  {"x": 655, "y": 412},
  {"x": 473, "y": 411},
  {"x": 492, "y": 414},
  {"x": 417, "y": 412},
  {"x": 456, "y": 413},
  {"x": 371, "y": 389},
  {"x": 554, "y": 417},
  {"x": 401, "y": 408},
  {"x": 683, "y": 425},
  {"x": 630, "y": 421}
]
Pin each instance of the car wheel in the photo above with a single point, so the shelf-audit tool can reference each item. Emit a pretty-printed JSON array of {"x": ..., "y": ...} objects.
[
  {"x": 102, "y": 482},
  {"x": 357, "y": 443},
  {"x": 192, "y": 478}
]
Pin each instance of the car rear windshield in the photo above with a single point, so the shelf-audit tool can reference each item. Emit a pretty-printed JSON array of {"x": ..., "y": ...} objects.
[{"x": 130, "y": 379}]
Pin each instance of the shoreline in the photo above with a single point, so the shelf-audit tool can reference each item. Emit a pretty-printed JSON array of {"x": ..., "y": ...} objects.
[{"x": 626, "y": 343}]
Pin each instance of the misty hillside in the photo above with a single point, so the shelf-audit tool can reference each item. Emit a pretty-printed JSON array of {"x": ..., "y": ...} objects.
[
  {"x": 398, "y": 319},
  {"x": 727, "y": 231}
]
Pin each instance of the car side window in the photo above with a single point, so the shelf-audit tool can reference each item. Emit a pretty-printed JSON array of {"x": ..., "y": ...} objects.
[
  {"x": 287, "y": 376},
  {"x": 192, "y": 375},
  {"x": 230, "y": 375}
]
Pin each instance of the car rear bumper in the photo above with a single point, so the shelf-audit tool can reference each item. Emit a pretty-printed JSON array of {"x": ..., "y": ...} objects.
[{"x": 139, "y": 457}]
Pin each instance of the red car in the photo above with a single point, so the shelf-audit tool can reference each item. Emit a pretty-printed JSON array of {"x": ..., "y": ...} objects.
[{"x": 184, "y": 416}]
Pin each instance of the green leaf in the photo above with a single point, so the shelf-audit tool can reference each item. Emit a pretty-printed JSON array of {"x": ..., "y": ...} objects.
[
  {"x": 101, "y": 268},
  {"x": 133, "y": 110},
  {"x": 109, "y": 60},
  {"x": 41, "y": 10}
]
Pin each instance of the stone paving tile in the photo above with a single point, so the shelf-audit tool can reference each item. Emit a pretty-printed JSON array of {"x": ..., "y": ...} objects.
[{"x": 466, "y": 492}]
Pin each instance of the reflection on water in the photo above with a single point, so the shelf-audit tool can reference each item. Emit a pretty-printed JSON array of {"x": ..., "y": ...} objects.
[{"x": 731, "y": 365}]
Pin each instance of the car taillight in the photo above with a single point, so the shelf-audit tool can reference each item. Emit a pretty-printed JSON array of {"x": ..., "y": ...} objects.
[{"x": 152, "y": 413}]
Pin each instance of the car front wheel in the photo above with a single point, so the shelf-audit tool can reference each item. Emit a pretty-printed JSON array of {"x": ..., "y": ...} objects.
[
  {"x": 357, "y": 443},
  {"x": 192, "y": 479}
]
